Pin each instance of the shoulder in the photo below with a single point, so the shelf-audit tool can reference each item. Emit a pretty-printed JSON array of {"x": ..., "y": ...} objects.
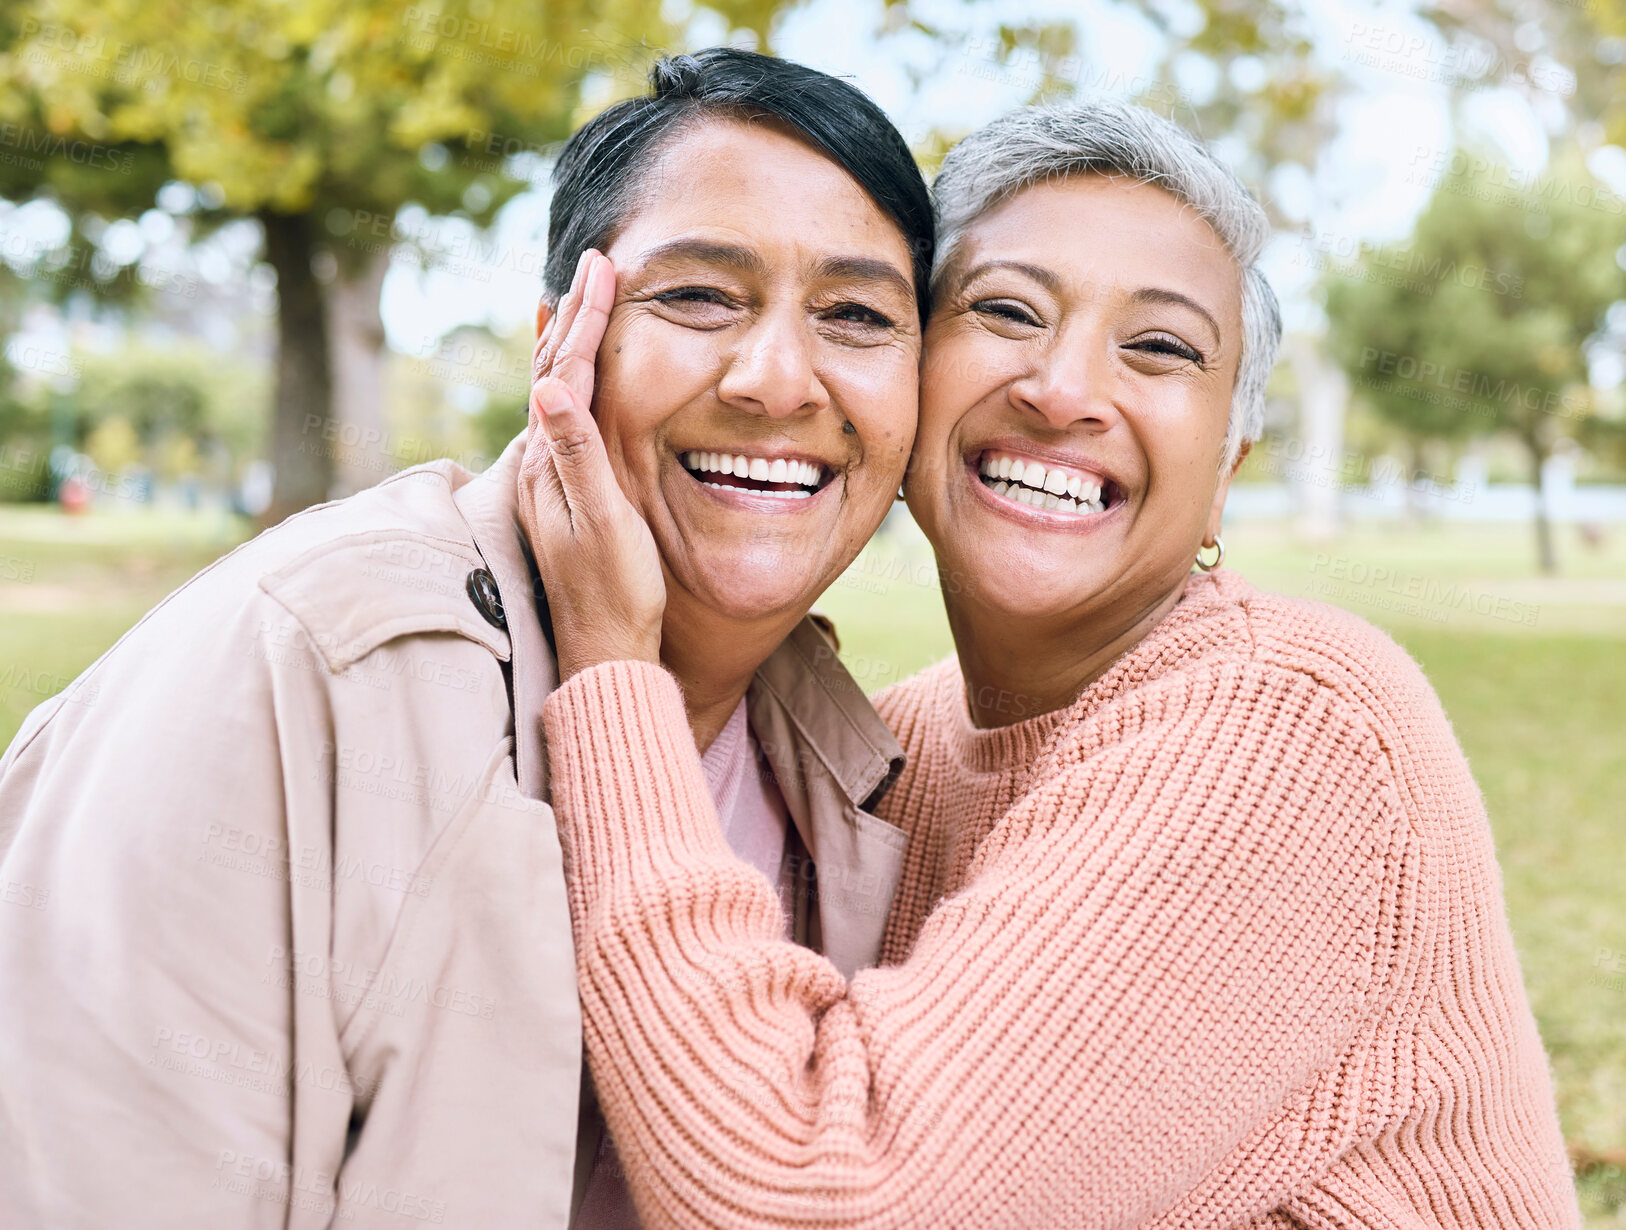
[
  {"x": 353, "y": 574},
  {"x": 305, "y": 600},
  {"x": 1251, "y": 660},
  {"x": 393, "y": 561},
  {"x": 1371, "y": 675}
]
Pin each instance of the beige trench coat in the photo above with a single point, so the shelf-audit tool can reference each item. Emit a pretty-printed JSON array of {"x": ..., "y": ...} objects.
[{"x": 283, "y": 928}]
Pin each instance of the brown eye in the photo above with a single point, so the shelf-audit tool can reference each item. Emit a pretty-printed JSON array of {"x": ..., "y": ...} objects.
[
  {"x": 1166, "y": 344},
  {"x": 1004, "y": 309},
  {"x": 698, "y": 306},
  {"x": 692, "y": 294},
  {"x": 858, "y": 314}
]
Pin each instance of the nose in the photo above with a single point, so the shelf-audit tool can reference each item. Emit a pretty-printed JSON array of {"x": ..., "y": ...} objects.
[
  {"x": 1070, "y": 383},
  {"x": 771, "y": 370}
]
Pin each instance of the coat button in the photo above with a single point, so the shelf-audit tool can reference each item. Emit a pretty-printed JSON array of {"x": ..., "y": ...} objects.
[{"x": 482, "y": 587}]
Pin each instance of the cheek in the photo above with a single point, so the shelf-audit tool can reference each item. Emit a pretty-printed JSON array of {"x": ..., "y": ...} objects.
[
  {"x": 1182, "y": 457},
  {"x": 646, "y": 372},
  {"x": 880, "y": 394},
  {"x": 960, "y": 371}
]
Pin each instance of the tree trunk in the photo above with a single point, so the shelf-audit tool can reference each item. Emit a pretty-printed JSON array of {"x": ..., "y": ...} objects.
[
  {"x": 303, "y": 434},
  {"x": 1323, "y": 402},
  {"x": 1416, "y": 458},
  {"x": 1546, "y": 556},
  {"x": 366, "y": 453}
]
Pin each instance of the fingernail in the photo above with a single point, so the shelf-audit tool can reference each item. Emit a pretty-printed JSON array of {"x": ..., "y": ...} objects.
[
  {"x": 549, "y": 396},
  {"x": 581, "y": 261}
]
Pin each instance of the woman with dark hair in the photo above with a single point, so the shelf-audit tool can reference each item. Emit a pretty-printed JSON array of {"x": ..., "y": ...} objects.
[
  {"x": 307, "y": 951},
  {"x": 1200, "y": 923}
]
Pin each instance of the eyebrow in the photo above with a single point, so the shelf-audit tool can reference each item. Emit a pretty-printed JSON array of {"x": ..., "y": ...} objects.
[
  {"x": 746, "y": 260},
  {"x": 1156, "y": 294},
  {"x": 1040, "y": 275},
  {"x": 863, "y": 269},
  {"x": 708, "y": 251}
]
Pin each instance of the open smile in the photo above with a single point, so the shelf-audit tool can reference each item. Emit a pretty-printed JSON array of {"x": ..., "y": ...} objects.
[
  {"x": 1026, "y": 484},
  {"x": 787, "y": 479}
]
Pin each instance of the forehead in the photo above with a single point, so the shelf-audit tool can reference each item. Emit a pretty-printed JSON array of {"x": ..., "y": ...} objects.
[
  {"x": 1099, "y": 233},
  {"x": 763, "y": 186}
]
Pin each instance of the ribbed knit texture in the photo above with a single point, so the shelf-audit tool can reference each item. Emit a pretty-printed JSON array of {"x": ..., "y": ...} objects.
[{"x": 1220, "y": 945}]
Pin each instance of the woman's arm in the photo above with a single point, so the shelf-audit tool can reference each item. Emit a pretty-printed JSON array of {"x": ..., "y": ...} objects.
[{"x": 1157, "y": 953}]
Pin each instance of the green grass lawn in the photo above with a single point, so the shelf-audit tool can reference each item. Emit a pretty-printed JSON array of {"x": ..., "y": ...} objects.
[{"x": 1532, "y": 671}]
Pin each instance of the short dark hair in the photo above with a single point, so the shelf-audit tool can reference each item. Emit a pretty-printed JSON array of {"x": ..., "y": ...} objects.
[{"x": 596, "y": 180}]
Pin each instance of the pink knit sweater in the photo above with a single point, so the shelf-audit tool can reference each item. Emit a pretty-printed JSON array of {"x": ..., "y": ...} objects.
[{"x": 1220, "y": 945}]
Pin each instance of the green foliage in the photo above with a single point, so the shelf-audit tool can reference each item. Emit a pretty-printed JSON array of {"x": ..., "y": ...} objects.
[
  {"x": 291, "y": 106},
  {"x": 186, "y": 393},
  {"x": 1479, "y": 323}
]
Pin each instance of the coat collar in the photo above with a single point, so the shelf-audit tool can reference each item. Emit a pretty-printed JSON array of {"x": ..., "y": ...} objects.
[
  {"x": 806, "y": 678},
  {"x": 490, "y": 505}
]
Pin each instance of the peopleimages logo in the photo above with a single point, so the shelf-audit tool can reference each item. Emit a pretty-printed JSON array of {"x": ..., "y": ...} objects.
[
  {"x": 1429, "y": 597},
  {"x": 1486, "y": 174},
  {"x": 1466, "y": 382}
]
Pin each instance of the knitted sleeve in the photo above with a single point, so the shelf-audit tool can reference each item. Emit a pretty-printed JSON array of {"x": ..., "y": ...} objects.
[{"x": 1157, "y": 951}]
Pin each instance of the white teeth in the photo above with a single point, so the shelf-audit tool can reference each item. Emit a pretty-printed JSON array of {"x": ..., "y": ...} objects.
[
  {"x": 777, "y": 495},
  {"x": 1072, "y": 492},
  {"x": 1034, "y": 497},
  {"x": 759, "y": 469}
]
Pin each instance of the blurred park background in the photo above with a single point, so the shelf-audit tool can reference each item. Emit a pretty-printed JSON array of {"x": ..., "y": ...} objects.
[{"x": 258, "y": 253}]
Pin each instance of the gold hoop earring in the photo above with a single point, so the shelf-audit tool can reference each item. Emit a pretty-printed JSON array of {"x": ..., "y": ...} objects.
[{"x": 1219, "y": 555}]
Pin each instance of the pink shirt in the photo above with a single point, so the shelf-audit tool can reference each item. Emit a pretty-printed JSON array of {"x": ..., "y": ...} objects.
[{"x": 754, "y": 822}]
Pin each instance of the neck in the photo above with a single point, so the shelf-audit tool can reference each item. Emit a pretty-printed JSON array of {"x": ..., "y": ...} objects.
[
  {"x": 1019, "y": 668},
  {"x": 714, "y": 657}
]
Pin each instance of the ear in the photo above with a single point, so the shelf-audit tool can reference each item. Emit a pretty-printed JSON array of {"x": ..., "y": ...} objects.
[{"x": 1215, "y": 510}]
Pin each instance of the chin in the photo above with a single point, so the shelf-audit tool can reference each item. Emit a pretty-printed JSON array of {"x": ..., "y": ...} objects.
[
  {"x": 749, "y": 590},
  {"x": 1023, "y": 584}
]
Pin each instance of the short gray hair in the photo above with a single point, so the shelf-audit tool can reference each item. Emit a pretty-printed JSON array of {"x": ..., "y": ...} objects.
[{"x": 1033, "y": 145}]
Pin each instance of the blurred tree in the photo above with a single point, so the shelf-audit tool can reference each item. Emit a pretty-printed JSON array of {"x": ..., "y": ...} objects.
[
  {"x": 1244, "y": 71},
  {"x": 188, "y": 411},
  {"x": 319, "y": 118},
  {"x": 1481, "y": 323}
]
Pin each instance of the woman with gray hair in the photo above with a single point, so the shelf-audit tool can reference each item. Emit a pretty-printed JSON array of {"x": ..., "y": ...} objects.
[{"x": 1199, "y": 923}]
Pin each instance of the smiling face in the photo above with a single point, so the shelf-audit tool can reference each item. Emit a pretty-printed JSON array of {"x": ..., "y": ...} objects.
[
  {"x": 1080, "y": 359},
  {"x": 758, "y": 381}
]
